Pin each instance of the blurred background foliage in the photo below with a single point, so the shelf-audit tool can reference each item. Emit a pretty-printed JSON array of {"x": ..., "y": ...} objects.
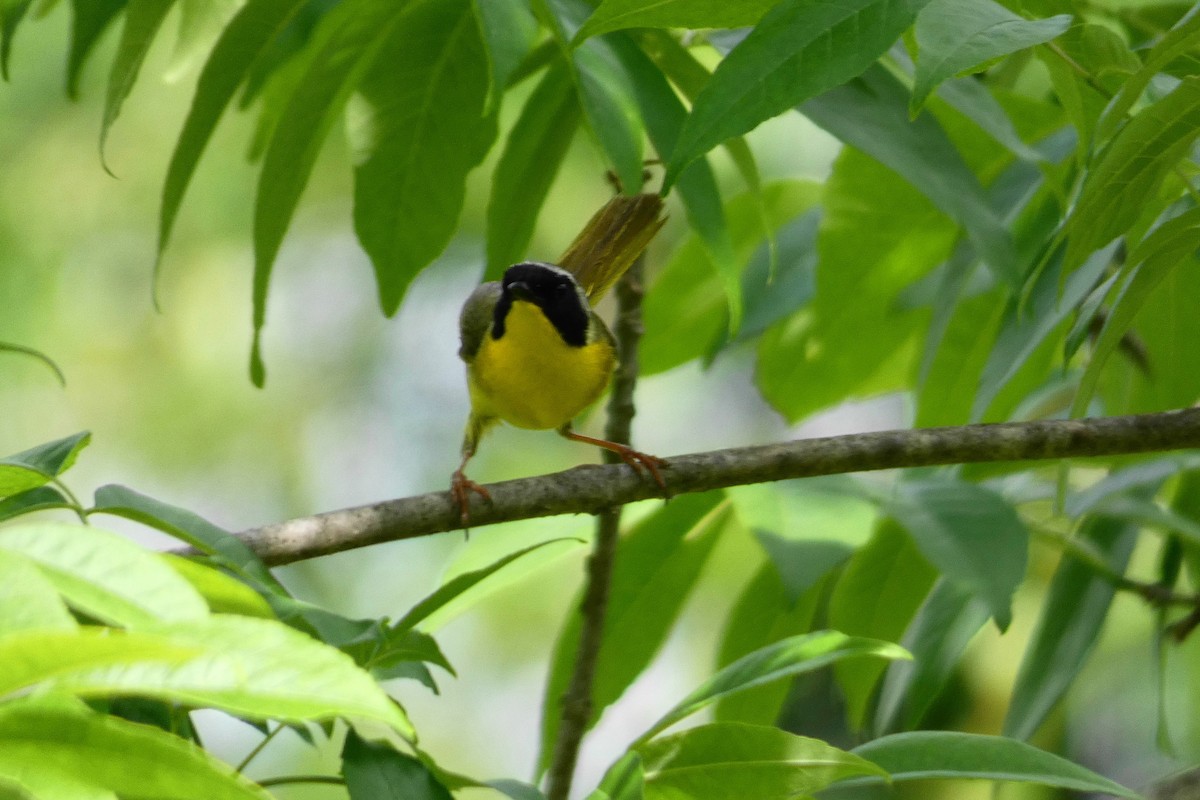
[{"x": 360, "y": 407}]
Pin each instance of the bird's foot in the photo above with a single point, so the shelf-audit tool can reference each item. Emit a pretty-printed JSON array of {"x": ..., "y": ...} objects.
[{"x": 460, "y": 489}]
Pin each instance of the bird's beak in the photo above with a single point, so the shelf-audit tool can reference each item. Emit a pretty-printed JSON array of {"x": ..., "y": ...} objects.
[{"x": 521, "y": 291}]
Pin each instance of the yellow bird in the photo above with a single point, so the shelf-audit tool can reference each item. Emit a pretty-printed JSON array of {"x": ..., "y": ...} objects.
[{"x": 536, "y": 352}]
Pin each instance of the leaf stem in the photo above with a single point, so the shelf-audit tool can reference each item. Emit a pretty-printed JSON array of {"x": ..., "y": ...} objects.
[
  {"x": 335, "y": 780},
  {"x": 258, "y": 748}
]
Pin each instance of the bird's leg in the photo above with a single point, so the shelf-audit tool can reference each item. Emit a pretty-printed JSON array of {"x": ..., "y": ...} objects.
[
  {"x": 636, "y": 459},
  {"x": 460, "y": 485}
]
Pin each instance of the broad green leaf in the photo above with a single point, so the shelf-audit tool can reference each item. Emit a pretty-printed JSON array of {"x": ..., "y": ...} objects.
[
  {"x": 350, "y": 38},
  {"x": 975, "y": 101},
  {"x": 880, "y": 590},
  {"x": 29, "y": 599},
  {"x": 871, "y": 114},
  {"x": 40, "y": 498},
  {"x": 1108, "y": 62},
  {"x": 509, "y": 32},
  {"x": 1182, "y": 37},
  {"x": 51, "y": 747},
  {"x": 201, "y": 23},
  {"x": 1130, "y": 169},
  {"x": 943, "y": 754},
  {"x": 105, "y": 575},
  {"x": 247, "y": 36},
  {"x": 802, "y": 563},
  {"x": 11, "y": 14},
  {"x": 379, "y": 772},
  {"x": 657, "y": 565},
  {"x": 222, "y": 593},
  {"x": 685, "y": 307},
  {"x": 143, "y": 18},
  {"x": 732, "y": 761},
  {"x": 971, "y": 534},
  {"x": 950, "y": 375},
  {"x": 1169, "y": 246},
  {"x": 531, "y": 158},
  {"x": 256, "y": 668},
  {"x": 624, "y": 780},
  {"x": 937, "y": 637},
  {"x": 606, "y": 93},
  {"x": 39, "y": 465},
  {"x": 782, "y": 659},
  {"x": 8, "y": 347},
  {"x": 798, "y": 50},
  {"x": 664, "y": 115},
  {"x": 615, "y": 15},
  {"x": 189, "y": 528},
  {"x": 418, "y": 127},
  {"x": 954, "y": 37},
  {"x": 454, "y": 588},
  {"x": 1072, "y": 617}
]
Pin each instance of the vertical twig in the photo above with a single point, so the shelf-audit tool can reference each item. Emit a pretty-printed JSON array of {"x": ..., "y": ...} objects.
[{"x": 577, "y": 700}]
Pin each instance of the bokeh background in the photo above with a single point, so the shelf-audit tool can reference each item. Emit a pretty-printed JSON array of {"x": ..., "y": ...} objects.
[{"x": 358, "y": 408}]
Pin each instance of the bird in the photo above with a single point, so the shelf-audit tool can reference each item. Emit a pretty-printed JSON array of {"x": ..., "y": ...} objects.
[{"x": 536, "y": 352}]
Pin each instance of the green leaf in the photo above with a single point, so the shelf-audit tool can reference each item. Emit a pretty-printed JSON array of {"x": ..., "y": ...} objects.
[
  {"x": 29, "y": 599},
  {"x": 615, "y": 15},
  {"x": 1131, "y": 168},
  {"x": 201, "y": 24},
  {"x": 61, "y": 750},
  {"x": 782, "y": 659},
  {"x": 143, "y": 18},
  {"x": 954, "y": 37},
  {"x": 879, "y": 592},
  {"x": 685, "y": 308},
  {"x": 1105, "y": 57},
  {"x": 1169, "y": 246},
  {"x": 105, "y": 575},
  {"x": 378, "y": 772},
  {"x": 460, "y": 584},
  {"x": 244, "y": 40},
  {"x": 8, "y": 347},
  {"x": 939, "y": 754},
  {"x": 39, "y": 465},
  {"x": 11, "y": 14},
  {"x": 531, "y": 159},
  {"x": 1072, "y": 616},
  {"x": 732, "y": 761},
  {"x": 871, "y": 114},
  {"x": 509, "y": 32},
  {"x": 971, "y": 534},
  {"x": 800, "y": 49},
  {"x": 418, "y": 127},
  {"x": 937, "y": 637},
  {"x": 345, "y": 47},
  {"x": 40, "y": 498},
  {"x": 606, "y": 93},
  {"x": 222, "y": 593},
  {"x": 975, "y": 101},
  {"x": 802, "y": 563},
  {"x": 256, "y": 668},
  {"x": 657, "y": 565},
  {"x": 624, "y": 780}
]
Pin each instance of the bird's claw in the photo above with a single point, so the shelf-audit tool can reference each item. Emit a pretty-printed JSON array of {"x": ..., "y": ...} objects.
[
  {"x": 460, "y": 489},
  {"x": 639, "y": 461}
]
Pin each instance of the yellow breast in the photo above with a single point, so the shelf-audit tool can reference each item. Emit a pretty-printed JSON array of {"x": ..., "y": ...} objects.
[{"x": 531, "y": 378}]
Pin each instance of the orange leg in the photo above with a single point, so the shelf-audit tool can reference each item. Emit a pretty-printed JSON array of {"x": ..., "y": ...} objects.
[
  {"x": 461, "y": 487},
  {"x": 636, "y": 459}
]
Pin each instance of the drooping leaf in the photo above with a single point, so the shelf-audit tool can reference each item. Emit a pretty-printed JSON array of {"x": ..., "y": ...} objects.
[
  {"x": 11, "y": 14},
  {"x": 971, "y": 534},
  {"x": 143, "y": 18},
  {"x": 59, "y": 749},
  {"x": 8, "y": 347},
  {"x": 606, "y": 93},
  {"x": 29, "y": 599},
  {"x": 351, "y": 36},
  {"x": 733, "y": 761},
  {"x": 1071, "y": 619},
  {"x": 531, "y": 158},
  {"x": 222, "y": 593},
  {"x": 40, "y": 498},
  {"x": 105, "y": 575},
  {"x": 944, "y": 754},
  {"x": 878, "y": 594},
  {"x": 954, "y": 37},
  {"x": 779, "y": 660},
  {"x": 247, "y": 36},
  {"x": 39, "y": 465},
  {"x": 615, "y": 15},
  {"x": 658, "y": 563},
  {"x": 509, "y": 31},
  {"x": 798, "y": 50},
  {"x": 379, "y": 772},
  {"x": 418, "y": 127},
  {"x": 1130, "y": 169}
]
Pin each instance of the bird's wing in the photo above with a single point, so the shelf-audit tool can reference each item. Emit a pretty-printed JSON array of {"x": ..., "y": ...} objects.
[
  {"x": 611, "y": 241},
  {"x": 476, "y": 318}
]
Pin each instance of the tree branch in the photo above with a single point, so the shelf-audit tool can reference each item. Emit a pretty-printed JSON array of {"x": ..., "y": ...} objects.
[
  {"x": 577, "y": 700},
  {"x": 593, "y": 488}
]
